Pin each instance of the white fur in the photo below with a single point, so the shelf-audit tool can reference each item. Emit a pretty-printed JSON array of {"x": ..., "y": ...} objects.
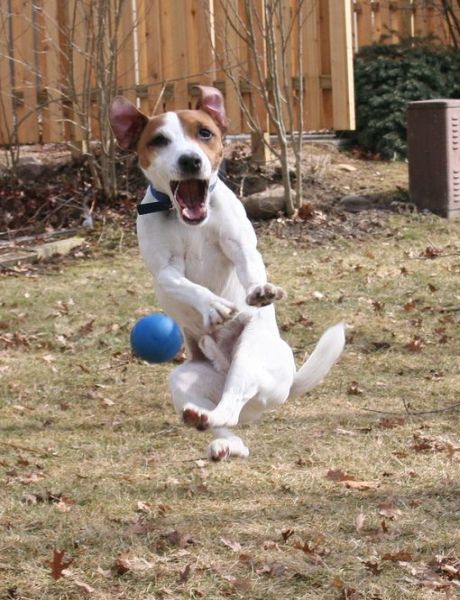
[{"x": 204, "y": 276}]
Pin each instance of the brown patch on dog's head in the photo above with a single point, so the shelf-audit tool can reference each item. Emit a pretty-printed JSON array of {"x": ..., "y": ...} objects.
[
  {"x": 201, "y": 128},
  {"x": 150, "y": 142}
]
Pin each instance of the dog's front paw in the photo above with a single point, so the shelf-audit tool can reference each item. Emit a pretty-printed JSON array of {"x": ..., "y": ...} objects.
[
  {"x": 263, "y": 295},
  {"x": 219, "y": 312}
]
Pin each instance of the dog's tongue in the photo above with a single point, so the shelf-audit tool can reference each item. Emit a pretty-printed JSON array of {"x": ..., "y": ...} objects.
[{"x": 191, "y": 198}]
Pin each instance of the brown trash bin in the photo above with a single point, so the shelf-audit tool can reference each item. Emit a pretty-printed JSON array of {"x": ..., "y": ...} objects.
[{"x": 433, "y": 139}]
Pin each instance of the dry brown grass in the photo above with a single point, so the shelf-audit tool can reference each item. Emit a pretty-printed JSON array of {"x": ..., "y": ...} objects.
[{"x": 93, "y": 461}]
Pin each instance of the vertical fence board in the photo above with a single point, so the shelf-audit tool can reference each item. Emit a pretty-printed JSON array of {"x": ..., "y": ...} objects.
[
  {"x": 127, "y": 63},
  {"x": 312, "y": 66},
  {"x": 364, "y": 29},
  {"x": 25, "y": 90},
  {"x": 325, "y": 77},
  {"x": 50, "y": 72},
  {"x": 342, "y": 64},
  {"x": 6, "y": 100},
  {"x": 383, "y": 23},
  {"x": 404, "y": 19},
  {"x": 173, "y": 41},
  {"x": 227, "y": 50},
  {"x": 150, "y": 53}
]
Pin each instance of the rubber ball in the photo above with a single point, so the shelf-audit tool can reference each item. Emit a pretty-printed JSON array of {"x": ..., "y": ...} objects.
[{"x": 156, "y": 338}]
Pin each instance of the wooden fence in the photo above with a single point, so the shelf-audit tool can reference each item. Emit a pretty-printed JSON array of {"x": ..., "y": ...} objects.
[
  {"x": 51, "y": 88},
  {"x": 164, "y": 47},
  {"x": 393, "y": 21}
]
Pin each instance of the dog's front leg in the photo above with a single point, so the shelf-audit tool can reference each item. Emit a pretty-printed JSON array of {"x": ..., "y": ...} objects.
[
  {"x": 213, "y": 309},
  {"x": 250, "y": 268}
]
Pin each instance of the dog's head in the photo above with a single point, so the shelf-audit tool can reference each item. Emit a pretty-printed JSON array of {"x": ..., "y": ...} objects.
[{"x": 179, "y": 152}]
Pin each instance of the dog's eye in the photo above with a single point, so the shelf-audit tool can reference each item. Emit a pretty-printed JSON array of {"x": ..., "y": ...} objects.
[
  {"x": 205, "y": 133},
  {"x": 159, "y": 140}
]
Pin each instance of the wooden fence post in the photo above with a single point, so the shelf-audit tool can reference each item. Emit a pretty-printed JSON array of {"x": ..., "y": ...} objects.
[{"x": 343, "y": 105}]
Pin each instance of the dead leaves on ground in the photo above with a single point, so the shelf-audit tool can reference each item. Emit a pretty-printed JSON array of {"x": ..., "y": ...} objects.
[
  {"x": 426, "y": 443},
  {"x": 59, "y": 563},
  {"x": 348, "y": 481}
]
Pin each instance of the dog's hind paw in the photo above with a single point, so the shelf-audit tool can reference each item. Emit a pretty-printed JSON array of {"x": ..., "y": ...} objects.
[
  {"x": 223, "y": 448},
  {"x": 194, "y": 417},
  {"x": 263, "y": 295}
]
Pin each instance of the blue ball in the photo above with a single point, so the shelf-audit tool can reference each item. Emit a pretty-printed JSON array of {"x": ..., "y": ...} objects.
[{"x": 156, "y": 338}]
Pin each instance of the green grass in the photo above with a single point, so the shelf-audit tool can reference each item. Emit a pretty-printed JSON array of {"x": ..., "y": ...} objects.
[{"x": 81, "y": 419}]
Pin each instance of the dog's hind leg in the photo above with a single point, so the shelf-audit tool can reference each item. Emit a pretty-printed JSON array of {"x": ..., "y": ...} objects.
[
  {"x": 226, "y": 444},
  {"x": 259, "y": 379},
  {"x": 198, "y": 384}
]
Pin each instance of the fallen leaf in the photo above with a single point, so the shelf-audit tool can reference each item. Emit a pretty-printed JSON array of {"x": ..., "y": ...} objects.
[
  {"x": 360, "y": 518},
  {"x": 181, "y": 540},
  {"x": 416, "y": 345},
  {"x": 124, "y": 563},
  {"x": 409, "y": 306},
  {"x": 59, "y": 563},
  {"x": 235, "y": 546},
  {"x": 389, "y": 509},
  {"x": 104, "y": 572},
  {"x": 32, "y": 477},
  {"x": 270, "y": 545},
  {"x": 306, "y": 212},
  {"x": 65, "y": 504},
  {"x": 144, "y": 507},
  {"x": 241, "y": 586},
  {"x": 373, "y": 566},
  {"x": 48, "y": 358},
  {"x": 378, "y": 306},
  {"x": 338, "y": 475},
  {"x": 354, "y": 389},
  {"x": 272, "y": 570},
  {"x": 361, "y": 485},
  {"x": 431, "y": 252},
  {"x": 401, "y": 555},
  {"x": 346, "y": 167},
  {"x": 424, "y": 443},
  {"x": 341, "y": 431},
  {"x": 184, "y": 575},
  {"x": 140, "y": 527},
  {"x": 346, "y": 592},
  {"x": 86, "y": 328},
  {"x": 85, "y": 587},
  {"x": 286, "y": 533},
  {"x": 313, "y": 549}
]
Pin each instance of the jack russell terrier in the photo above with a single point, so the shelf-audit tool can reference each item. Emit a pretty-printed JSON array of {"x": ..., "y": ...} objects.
[{"x": 209, "y": 276}]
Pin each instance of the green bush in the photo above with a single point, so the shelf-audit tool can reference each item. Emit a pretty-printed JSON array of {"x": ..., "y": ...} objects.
[{"x": 386, "y": 79}]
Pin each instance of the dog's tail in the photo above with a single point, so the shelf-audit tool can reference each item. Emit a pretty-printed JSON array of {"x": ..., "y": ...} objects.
[{"x": 320, "y": 361}]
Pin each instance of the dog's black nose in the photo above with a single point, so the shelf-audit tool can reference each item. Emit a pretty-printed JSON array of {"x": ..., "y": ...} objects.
[{"x": 189, "y": 164}]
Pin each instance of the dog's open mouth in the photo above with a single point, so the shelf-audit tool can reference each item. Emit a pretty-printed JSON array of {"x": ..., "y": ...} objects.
[{"x": 190, "y": 195}]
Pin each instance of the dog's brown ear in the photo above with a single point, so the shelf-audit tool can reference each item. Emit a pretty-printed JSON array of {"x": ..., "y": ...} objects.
[
  {"x": 212, "y": 102},
  {"x": 127, "y": 122}
]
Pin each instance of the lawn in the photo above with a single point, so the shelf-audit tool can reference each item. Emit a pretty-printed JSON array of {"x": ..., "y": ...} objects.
[{"x": 337, "y": 500}]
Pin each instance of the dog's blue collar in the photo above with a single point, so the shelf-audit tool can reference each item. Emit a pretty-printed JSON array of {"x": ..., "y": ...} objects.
[{"x": 162, "y": 200}]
